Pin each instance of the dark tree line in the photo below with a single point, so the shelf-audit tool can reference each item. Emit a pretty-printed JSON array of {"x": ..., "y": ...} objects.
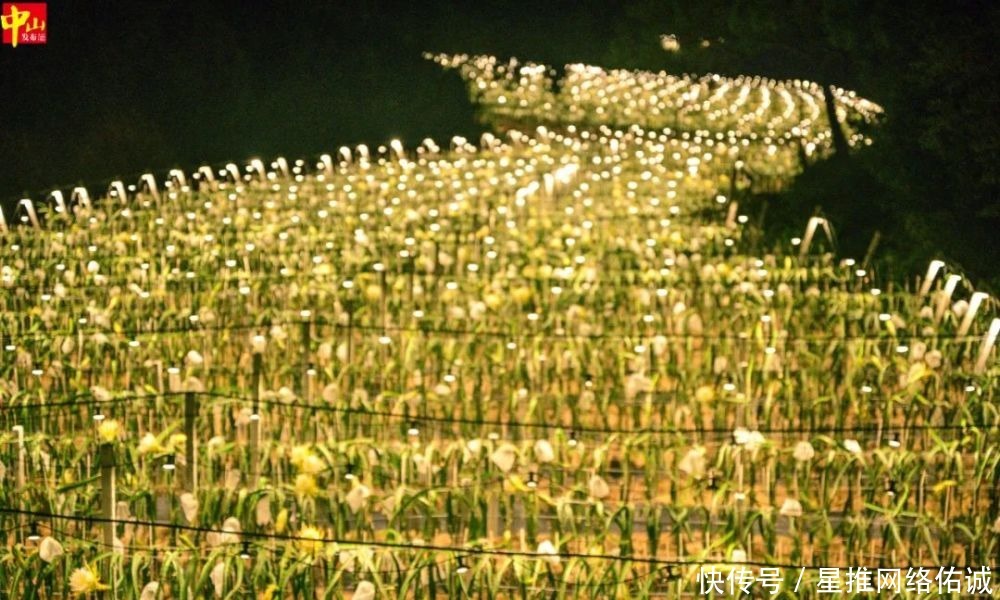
[
  {"x": 124, "y": 87},
  {"x": 929, "y": 183}
]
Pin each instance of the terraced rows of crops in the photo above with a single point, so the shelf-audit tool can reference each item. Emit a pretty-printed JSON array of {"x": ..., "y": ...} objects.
[{"x": 555, "y": 363}]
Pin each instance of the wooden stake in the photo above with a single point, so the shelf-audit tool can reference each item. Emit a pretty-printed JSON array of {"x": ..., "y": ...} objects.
[
  {"x": 306, "y": 344},
  {"x": 190, "y": 473},
  {"x": 106, "y": 461},
  {"x": 258, "y": 363},
  {"x": 19, "y": 490}
]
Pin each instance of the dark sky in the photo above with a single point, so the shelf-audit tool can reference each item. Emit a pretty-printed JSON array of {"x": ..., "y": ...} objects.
[{"x": 124, "y": 87}]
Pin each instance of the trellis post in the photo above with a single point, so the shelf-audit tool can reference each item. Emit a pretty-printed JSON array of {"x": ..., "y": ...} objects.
[
  {"x": 106, "y": 462},
  {"x": 190, "y": 472},
  {"x": 258, "y": 363}
]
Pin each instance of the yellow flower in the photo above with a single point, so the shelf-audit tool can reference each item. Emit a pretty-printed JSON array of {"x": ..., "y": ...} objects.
[
  {"x": 521, "y": 295},
  {"x": 493, "y": 301},
  {"x": 85, "y": 581},
  {"x": 299, "y": 453},
  {"x": 109, "y": 430},
  {"x": 305, "y": 485},
  {"x": 149, "y": 445},
  {"x": 282, "y": 521},
  {"x": 268, "y": 594},
  {"x": 177, "y": 441},
  {"x": 309, "y": 539},
  {"x": 704, "y": 393},
  {"x": 311, "y": 464}
]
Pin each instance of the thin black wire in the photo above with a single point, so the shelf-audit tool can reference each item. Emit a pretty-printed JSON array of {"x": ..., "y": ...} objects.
[
  {"x": 168, "y": 277},
  {"x": 457, "y": 332},
  {"x": 236, "y": 548},
  {"x": 471, "y": 550},
  {"x": 888, "y": 428},
  {"x": 204, "y": 552}
]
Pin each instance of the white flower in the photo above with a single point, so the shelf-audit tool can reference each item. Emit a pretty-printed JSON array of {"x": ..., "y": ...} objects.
[
  {"x": 803, "y": 451},
  {"x": 218, "y": 577},
  {"x": 504, "y": 457},
  {"x": 741, "y": 436},
  {"x": 194, "y": 358},
  {"x": 364, "y": 591},
  {"x": 231, "y": 529},
  {"x": 637, "y": 383},
  {"x": 739, "y": 555},
  {"x": 720, "y": 364},
  {"x": 544, "y": 452},
  {"x": 263, "y": 511},
  {"x": 278, "y": 333},
  {"x": 933, "y": 359},
  {"x": 258, "y": 344},
  {"x": 548, "y": 549},
  {"x": 189, "y": 504},
  {"x": 693, "y": 462},
  {"x": 356, "y": 497},
  {"x": 660, "y": 344},
  {"x": 598, "y": 488},
  {"x": 149, "y": 444},
  {"x": 852, "y": 446},
  {"x": 669, "y": 43},
  {"x": 49, "y": 549},
  {"x": 791, "y": 508},
  {"x": 150, "y": 591},
  {"x": 100, "y": 394},
  {"x": 330, "y": 393},
  {"x": 695, "y": 325},
  {"x": 754, "y": 440}
]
